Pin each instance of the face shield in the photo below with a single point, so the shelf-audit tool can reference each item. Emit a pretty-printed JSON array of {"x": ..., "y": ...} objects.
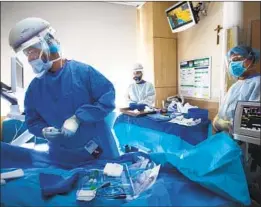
[
  {"x": 230, "y": 59},
  {"x": 236, "y": 65},
  {"x": 235, "y": 58},
  {"x": 39, "y": 51}
]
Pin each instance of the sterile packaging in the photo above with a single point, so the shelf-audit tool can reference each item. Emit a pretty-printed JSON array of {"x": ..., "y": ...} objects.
[
  {"x": 142, "y": 164},
  {"x": 145, "y": 180},
  {"x": 135, "y": 178},
  {"x": 95, "y": 184}
]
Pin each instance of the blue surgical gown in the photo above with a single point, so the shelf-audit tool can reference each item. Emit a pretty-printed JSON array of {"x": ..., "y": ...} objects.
[
  {"x": 242, "y": 90},
  {"x": 77, "y": 89}
]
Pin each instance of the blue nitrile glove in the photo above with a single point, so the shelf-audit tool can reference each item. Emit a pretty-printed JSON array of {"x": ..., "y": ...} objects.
[
  {"x": 141, "y": 107},
  {"x": 133, "y": 106}
]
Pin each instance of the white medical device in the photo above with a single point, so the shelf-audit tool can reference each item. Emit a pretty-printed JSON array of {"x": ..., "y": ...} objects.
[
  {"x": 17, "y": 74},
  {"x": 9, "y": 93}
]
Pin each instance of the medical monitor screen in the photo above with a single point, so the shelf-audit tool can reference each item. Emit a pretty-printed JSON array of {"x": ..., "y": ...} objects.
[
  {"x": 180, "y": 16},
  {"x": 19, "y": 75},
  {"x": 251, "y": 118}
]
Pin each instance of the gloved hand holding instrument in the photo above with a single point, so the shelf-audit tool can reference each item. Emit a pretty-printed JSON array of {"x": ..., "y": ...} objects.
[
  {"x": 68, "y": 129},
  {"x": 70, "y": 126},
  {"x": 51, "y": 133}
]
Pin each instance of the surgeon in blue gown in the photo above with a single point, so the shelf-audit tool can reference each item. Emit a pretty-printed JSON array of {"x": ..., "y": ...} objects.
[{"x": 67, "y": 101}]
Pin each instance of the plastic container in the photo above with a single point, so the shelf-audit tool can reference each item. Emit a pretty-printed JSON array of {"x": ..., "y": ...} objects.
[{"x": 197, "y": 113}]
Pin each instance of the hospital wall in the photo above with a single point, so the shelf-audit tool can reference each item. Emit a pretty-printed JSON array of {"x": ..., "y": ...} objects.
[
  {"x": 157, "y": 49},
  {"x": 201, "y": 41},
  {"x": 98, "y": 33},
  {"x": 251, "y": 11}
]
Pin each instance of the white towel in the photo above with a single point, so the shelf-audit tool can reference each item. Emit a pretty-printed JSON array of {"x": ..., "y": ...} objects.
[
  {"x": 186, "y": 122},
  {"x": 113, "y": 169}
]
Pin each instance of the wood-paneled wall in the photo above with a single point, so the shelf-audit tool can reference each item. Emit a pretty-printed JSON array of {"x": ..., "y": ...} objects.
[
  {"x": 255, "y": 37},
  {"x": 160, "y": 23},
  {"x": 163, "y": 92},
  {"x": 165, "y": 62},
  {"x": 159, "y": 48}
]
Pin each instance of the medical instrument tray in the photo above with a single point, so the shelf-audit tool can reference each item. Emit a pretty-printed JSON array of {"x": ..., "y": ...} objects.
[{"x": 118, "y": 186}]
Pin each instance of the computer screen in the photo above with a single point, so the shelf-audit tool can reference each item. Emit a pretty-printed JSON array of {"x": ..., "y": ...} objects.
[
  {"x": 247, "y": 125},
  {"x": 181, "y": 16},
  {"x": 17, "y": 74}
]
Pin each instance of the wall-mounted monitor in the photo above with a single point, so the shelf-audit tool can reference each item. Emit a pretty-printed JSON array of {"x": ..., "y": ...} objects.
[{"x": 181, "y": 16}]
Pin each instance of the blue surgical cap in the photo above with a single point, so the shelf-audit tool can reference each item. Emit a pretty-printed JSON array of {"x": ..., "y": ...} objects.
[{"x": 246, "y": 52}]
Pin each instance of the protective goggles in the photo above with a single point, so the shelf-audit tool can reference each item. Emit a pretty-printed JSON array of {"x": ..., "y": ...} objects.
[{"x": 236, "y": 58}]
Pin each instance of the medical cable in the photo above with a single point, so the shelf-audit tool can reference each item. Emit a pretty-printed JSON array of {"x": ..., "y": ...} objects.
[
  {"x": 107, "y": 193},
  {"x": 16, "y": 131},
  {"x": 112, "y": 192}
]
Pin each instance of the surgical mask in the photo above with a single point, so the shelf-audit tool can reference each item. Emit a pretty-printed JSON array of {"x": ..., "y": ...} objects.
[
  {"x": 40, "y": 67},
  {"x": 237, "y": 68},
  {"x": 137, "y": 78}
]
